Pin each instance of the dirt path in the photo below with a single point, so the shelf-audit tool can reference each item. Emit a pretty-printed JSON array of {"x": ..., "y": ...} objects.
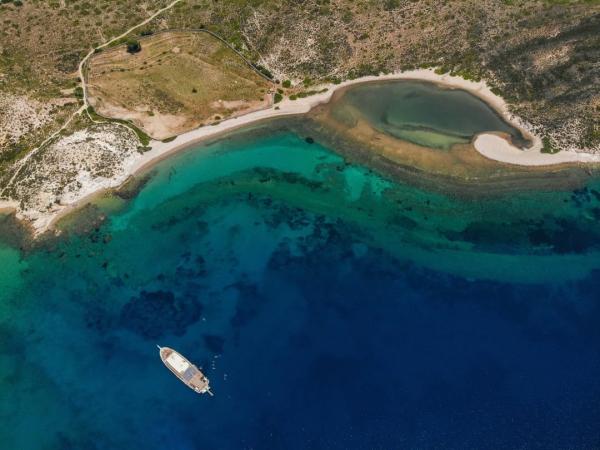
[
  {"x": 91, "y": 52},
  {"x": 84, "y": 107}
]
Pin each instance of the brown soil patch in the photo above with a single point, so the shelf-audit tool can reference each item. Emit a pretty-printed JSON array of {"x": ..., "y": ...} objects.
[{"x": 179, "y": 81}]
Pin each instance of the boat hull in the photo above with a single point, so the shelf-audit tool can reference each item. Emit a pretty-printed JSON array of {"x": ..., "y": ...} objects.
[{"x": 183, "y": 369}]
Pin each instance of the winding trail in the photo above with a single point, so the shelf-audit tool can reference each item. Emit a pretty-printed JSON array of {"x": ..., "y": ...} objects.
[
  {"x": 84, "y": 107},
  {"x": 106, "y": 44}
]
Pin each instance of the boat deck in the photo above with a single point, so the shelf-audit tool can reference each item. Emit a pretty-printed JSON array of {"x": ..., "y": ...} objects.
[
  {"x": 195, "y": 379},
  {"x": 184, "y": 370}
]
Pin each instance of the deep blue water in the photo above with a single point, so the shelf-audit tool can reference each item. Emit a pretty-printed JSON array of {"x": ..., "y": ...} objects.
[{"x": 330, "y": 308}]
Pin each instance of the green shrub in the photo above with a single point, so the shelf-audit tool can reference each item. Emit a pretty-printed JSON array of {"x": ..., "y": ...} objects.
[
  {"x": 262, "y": 69},
  {"x": 133, "y": 45},
  {"x": 347, "y": 16},
  {"x": 390, "y": 5},
  {"x": 548, "y": 146},
  {"x": 277, "y": 98},
  {"x": 287, "y": 84}
]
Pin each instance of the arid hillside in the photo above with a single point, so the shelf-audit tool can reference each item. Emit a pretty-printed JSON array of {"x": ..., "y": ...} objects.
[
  {"x": 41, "y": 45},
  {"x": 543, "y": 56}
]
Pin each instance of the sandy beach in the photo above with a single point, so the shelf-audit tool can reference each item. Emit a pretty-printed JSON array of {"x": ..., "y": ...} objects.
[
  {"x": 8, "y": 206},
  {"x": 499, "y": 149},
  {"x": 489, "y": 145}
]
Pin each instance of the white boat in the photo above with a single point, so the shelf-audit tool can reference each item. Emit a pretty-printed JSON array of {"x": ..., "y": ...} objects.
[{"x": 184, "y": 370}]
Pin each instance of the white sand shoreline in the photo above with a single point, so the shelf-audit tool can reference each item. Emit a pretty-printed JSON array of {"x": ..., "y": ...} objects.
[
  {"x": 489, "y": 145},
  {"x": 499, "y": 149},
  {"x": 8, "y": 206}
]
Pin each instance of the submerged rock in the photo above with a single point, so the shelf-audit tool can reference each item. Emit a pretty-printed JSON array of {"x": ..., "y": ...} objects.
[{"x": 158, "y": 313}]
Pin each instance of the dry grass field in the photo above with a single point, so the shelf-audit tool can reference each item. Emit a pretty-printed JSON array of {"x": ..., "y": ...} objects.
[{"x": 179, "y": 81}]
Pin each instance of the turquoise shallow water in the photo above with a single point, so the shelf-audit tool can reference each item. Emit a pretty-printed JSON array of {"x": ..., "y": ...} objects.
[
  {"x": 423, "y": 113},
  {"x": 330, "y": 307}
]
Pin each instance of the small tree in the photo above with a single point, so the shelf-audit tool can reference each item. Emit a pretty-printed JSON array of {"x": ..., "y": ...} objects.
[
  {"x": 390, "y": 5},
  {"x": 133, "y": 45}
]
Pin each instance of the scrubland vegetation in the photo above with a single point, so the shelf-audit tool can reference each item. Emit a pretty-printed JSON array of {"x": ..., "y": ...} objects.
[{"x": 543, "y": 56}]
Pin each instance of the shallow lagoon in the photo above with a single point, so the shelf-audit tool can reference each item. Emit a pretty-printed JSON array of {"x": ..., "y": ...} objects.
[
  {"x": 330, "y": 307},
  {"x": 422, "y": 113}
]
